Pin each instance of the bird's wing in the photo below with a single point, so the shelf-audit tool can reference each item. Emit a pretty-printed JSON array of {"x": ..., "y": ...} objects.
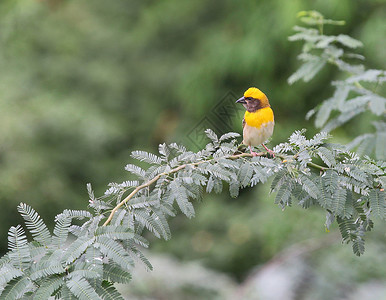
[{"x": 243, "y": 122}]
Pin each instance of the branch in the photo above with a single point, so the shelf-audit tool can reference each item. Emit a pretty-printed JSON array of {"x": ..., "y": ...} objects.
[
  {"x": 316, "y": 166},
  {"x": 310, "y": 164},
  {"x": 181, "y": 167},
  {"x": 153, "y": 180}
]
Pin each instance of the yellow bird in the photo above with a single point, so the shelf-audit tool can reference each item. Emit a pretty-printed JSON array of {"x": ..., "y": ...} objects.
[{"x": 258, "y": 120}]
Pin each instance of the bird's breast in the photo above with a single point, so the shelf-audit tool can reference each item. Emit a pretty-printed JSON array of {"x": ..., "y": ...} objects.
[
  {"x": 259, "y": 117},
  {"x": 258, "y": 126}
]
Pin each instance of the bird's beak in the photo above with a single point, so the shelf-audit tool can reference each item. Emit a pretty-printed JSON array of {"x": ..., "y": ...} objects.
[{"x": 241, "y": 100}]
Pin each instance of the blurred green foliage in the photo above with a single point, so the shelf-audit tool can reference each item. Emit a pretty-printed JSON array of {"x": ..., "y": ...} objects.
[{"x": 83, "y": 82}]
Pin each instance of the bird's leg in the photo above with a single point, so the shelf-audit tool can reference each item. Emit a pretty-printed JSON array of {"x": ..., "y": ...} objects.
[
  {"x": 269, "y": 150},
  {"x": 253, "y": 153}
]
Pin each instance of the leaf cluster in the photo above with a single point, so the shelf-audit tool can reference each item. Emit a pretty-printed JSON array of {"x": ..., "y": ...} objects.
[
  {"x": 354, "y": 94},
  {"x": 349, "y": 188},
  {"x": 84, "y": 261},
  {"x": 79, "y": 262}
]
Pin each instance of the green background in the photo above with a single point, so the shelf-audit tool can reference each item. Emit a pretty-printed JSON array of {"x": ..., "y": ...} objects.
[{"x": 83, "y": 83}]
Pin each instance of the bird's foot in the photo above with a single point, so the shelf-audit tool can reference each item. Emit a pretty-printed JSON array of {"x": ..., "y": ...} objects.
[
  {"x": 270, "y": 152},
  {"x": 254, "y": 154}
]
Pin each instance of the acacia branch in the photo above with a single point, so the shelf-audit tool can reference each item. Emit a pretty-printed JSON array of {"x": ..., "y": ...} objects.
[
  {"x": 181, "y": 167},
  {"x": 316, "y": 166},
  {"x": 154, "y": 179}
]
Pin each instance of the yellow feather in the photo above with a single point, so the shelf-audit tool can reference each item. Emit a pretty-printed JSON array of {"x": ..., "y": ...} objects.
[
  {"x": 254, "y": 93},
  {"x": 259, "y": 117}
]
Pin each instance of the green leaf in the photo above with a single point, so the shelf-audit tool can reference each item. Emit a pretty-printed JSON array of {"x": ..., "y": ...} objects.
[
  {"x": 108, "y": 292},
  {"x": 210, "y": 184},
  {"x": 146, "y": 157},
  {"x": 179, "y": 194},
  {"x": 217, "y": 186},
  {"x": 7, "y": 273},
  {"x": 211, "y": 135},
  {"x": 358, "y": 206},
  {"x": 358, "y": 246},
  {"x": 77, "y": 214},
  {"x": 114, "y": 232},
  {"x": 310, "y": 113},
  {"x": 45, "y": 268},
  {"x": 330, "y": 218},
  {"x": 138, "y": 171},
  {"x": 377, "y": 202},
  {"x": 348, "y": 208},
  {"x": 367, "y": 145},
  {"x": 4, "y": 260},
  {"x": 283, "y": 196},
  {"x": 278, "y": 178},
  {"x": 234, "y": 187},
  {"x": 85, "y": 271},
  {"x": 377, "y": 105},
  {"x": 76, "y": 249},
  {"x": 325, "y": 198},
  {"x": 309, "y": 186},
  {"x": 310, "y": 21},
  {"x": 368, "y": 76},
  {"x": 114, "y": 273},
  {"x": 19, "y": 254},
  {"x": 260, "y": 175},
  {"x": 115, "y": 251},
  {"x": 66, "y": 294},
  {"x": 346, "y": 67},
  {"x": 147, "y": 220},
  {"x": 48, "y": 287},
  {"x": 338, "y": 201},
  {"x": 308, "y": 70},
  {"x": 355, "y": 103},
  {"x": 327, "y": 156},
  {"x": 325, "y": 41},
  {"x": 178, "y": 148},
  {"x": 357, "y": 141},
  {"x": 319, "y": 138},
  {"x": 323, "y": 113},
  {"x": 217, "y": 171},
  {"x": 245, "y": 174},
  {"x": 341, "y": 119},
  {"x": 229, "y": 135},
  {"x": 162, "y": 223},
  {"x": 35, "y": 224},
  {"x": 307, "y": 34},
  {"x": 348, "y": 41},
  {"x": 94, "y": 257},
  {"x": 131, "y": 247},
  {"x": 16, "y": 288},
  {"x": 82, "y": 289},
  {"x": 346, "y": 228},
  {"x": 164, "y": 150},
  {"x": 61, "y": 229}
]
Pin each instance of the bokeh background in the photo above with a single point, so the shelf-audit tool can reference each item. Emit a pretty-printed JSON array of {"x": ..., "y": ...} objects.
[{"x": 82, "y": 83}]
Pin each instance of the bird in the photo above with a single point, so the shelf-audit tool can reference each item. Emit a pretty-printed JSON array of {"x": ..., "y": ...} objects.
[{"x": 258, "y": 121}]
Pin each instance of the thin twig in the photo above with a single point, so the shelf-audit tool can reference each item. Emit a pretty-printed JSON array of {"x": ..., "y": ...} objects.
[{"x": 316, "y": 166}]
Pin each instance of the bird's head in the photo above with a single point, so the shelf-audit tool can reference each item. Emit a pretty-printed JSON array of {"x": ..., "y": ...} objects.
[{"x": 253, "y": 99}]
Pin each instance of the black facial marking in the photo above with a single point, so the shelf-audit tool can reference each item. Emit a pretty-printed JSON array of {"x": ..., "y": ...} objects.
[{"x": 253, "y": 104}]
